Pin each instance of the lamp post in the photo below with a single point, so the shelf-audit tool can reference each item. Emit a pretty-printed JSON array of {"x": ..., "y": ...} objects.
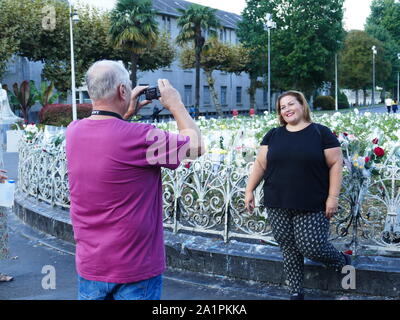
[
  {"x": 398, "y": 80},
  {"x": 73, "y": 17},
  {"x": 374, "y": 52},
  {"x": 270, "y": 24},
  {"x": 336, "y": 83}
]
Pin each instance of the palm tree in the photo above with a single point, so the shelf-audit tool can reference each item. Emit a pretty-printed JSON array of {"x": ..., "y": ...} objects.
[
  {"x": 133, "y": 28},
  {"x": 194, "y": 21}
]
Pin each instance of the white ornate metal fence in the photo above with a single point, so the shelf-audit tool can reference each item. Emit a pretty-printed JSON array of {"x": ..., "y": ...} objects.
[{"x": 207, "y": 197}]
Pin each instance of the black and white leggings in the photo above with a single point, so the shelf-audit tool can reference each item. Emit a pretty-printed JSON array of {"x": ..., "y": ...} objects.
[{"x": 303, "y": 234}]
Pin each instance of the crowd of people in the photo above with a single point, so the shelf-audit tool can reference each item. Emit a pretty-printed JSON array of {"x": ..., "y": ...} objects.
[{"x": 114, "y": 173}]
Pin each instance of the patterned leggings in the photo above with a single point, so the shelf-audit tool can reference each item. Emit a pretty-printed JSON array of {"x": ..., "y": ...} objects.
[{"x": 302, "y": 234}]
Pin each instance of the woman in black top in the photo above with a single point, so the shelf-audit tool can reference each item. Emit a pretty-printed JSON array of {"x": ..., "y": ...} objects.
[{"x": 301, "y": 163}]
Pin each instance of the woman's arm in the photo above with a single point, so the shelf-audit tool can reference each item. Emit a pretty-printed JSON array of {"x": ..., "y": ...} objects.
[
  {"x": 334, "y": 160},
  {"x": 256, "y": 175}
]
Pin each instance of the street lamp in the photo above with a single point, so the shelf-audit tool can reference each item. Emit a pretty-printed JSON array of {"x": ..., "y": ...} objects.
[
  {"x": 270, "y": 24},
  {"x": 374, "y": 52},
  {"x": 73, "y": 18},
  {"x": 336, "y": 83},
  {"x": 398, "y": 80}
]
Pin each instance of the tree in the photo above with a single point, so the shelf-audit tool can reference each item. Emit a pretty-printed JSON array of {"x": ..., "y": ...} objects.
[
  {"x": 134, "y": 29},
  {"x": 356, "y": 62},
  {"x": 159, "y": 56},
  {"x": 253, "y": 37},
  {"x": 193, "y": 22},
  {"x": 302, "y": 46},
  {"x": 215, "y": 56},
  {"x": 25, "y": 96},
  {"x": 51, "y": 45},
  {"x": 383, "y": 24},
  {"x": 45, "y": 95},
  {"x": 386, "y": 13}
]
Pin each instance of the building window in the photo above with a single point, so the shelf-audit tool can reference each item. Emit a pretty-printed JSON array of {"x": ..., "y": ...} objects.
[
  {"x": 188, "y": 96},
  {"x": 206, "y": 96},
  {"x": 238, "y": 95},
  {"x": 223, "y": 95}
]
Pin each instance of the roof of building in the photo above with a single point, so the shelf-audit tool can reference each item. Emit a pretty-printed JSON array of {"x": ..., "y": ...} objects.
[{"x": 168, "y": 7}]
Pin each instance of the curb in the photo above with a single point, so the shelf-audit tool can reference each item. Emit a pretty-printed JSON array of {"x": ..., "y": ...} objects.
[{"x": 375, "y": 275}]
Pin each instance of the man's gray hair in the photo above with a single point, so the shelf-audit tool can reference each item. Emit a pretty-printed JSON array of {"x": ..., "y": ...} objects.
[{"x": 104, "y": 77}]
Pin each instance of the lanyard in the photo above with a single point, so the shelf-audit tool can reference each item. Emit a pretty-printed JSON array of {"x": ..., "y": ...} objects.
[{"x": 106, "y": 113}]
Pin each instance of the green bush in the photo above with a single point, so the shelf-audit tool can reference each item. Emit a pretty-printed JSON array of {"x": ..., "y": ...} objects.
[
  {"x": 343, "y": 102},
  {"x": 324, "y": 102},
  {"x": 60, "y": 115}
]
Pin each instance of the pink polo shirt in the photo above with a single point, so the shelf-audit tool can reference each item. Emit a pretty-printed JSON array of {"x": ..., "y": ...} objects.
[{"x": 114, "y": 172}]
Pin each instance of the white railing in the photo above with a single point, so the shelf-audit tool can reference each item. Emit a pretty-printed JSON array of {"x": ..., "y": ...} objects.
[{"x": 207, "y": 197}]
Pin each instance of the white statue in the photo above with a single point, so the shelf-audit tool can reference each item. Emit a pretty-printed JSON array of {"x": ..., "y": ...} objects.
[{"x": 6, "y": 114}]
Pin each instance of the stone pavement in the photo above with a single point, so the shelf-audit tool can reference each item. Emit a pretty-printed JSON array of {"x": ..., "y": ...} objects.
[{"x": 32, "y": 250}]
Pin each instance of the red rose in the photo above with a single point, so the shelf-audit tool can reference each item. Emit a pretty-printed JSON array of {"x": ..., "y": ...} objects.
[
  {"x": 379, "y": 152},
  {"x": 367, "y": 159},
  {"x": 375, "y": 141}
]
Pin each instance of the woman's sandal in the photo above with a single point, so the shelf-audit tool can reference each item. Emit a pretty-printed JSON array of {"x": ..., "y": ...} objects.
[{"x": 5, "y": 278}]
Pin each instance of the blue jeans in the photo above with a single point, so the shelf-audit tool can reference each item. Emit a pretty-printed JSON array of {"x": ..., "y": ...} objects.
[{"x": 149, "y": 289}]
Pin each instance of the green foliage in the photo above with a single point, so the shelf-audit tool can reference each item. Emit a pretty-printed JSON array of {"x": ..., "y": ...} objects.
[
  {"x": 384, "y": 24},
  {"x": 133, "y": 28},
  {"x": 193, "y": 22},
  {"x": 343, "y": 102},
  {"x": 324, "y": 102},
  {"x": 302, "y": 46},
  {"x": 24, "y": 96},
  {"x": 46, "y": 93},
  {"x": 356, "y": 61},
  {"x": 216, "y": 56},
  {"x": 61, "y": 114},
  {"x": 161, "y": 55}
]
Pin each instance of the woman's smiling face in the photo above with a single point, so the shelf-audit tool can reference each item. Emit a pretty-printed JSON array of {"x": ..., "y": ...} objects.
[{"x": 291, "y": 110}]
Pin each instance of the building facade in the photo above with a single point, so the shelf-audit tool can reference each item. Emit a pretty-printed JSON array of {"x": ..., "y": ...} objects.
[{"x": 232, "y": 89}]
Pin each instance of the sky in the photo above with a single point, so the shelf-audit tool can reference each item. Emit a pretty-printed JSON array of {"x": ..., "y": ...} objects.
[{"x": 356, "y": 11}]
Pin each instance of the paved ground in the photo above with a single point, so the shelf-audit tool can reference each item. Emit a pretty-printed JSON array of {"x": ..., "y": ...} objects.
[{"x": 32, "y": 250}]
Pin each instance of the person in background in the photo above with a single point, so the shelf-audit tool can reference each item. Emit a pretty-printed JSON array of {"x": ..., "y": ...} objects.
[
  {"x": 388, "y": 103},
  {"x": 394, "y": 106},
  {"x": 156, "y": 114},
  {"x": 301, "y": 164},
  {"x": 4, "y": 251},
  {"x": 114, "y": 173}
]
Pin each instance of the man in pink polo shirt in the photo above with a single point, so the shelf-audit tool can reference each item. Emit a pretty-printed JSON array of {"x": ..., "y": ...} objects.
[{"x": 114, "y": 171}]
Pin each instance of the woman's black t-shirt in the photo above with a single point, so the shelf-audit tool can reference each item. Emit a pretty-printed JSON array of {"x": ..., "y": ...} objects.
[{"x": 297, "y": 176}]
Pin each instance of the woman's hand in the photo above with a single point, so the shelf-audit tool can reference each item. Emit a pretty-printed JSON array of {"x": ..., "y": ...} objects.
[
  {"x": 249, "y": 201},
  {"x": 332, "y": 205},
  {"x": 3, "y": 178}
]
